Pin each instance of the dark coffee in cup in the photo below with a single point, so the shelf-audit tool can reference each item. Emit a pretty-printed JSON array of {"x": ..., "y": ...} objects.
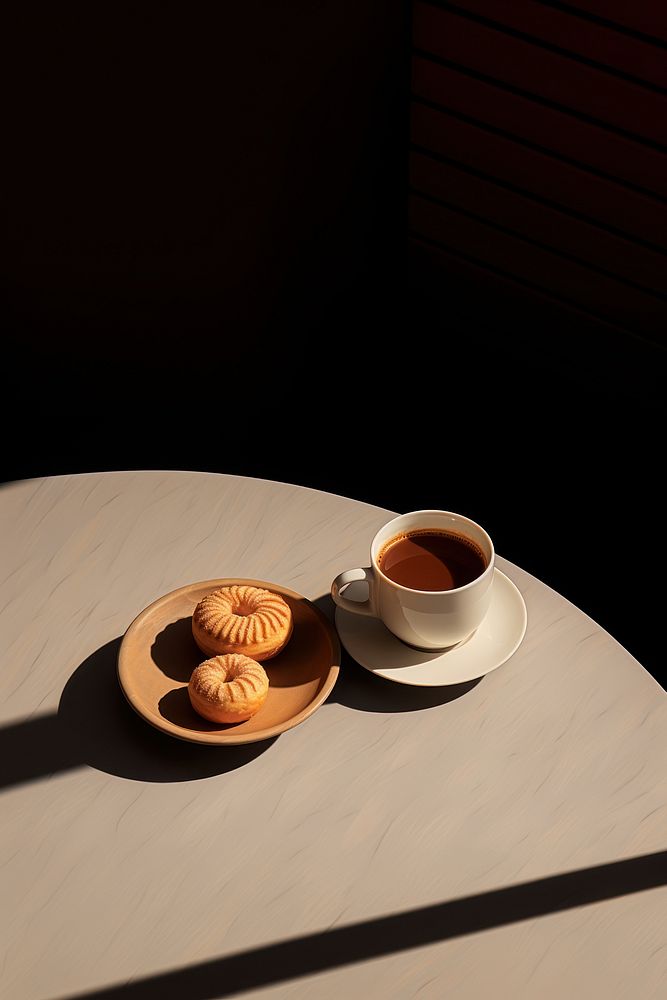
[
  {"x": 430, "y": 578},
  {"x": 428, "y": 559}
]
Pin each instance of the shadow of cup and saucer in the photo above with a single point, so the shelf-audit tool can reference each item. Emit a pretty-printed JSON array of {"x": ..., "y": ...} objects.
[
  {"x": 368, "y": 691},
  {"x": 451, "y": 671}
]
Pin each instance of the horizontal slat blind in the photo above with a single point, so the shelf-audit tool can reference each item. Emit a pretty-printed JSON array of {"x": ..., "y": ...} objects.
[
  {"x": 539, "y": 141},
  {"x": 570, "y": 187},
  {"x": 556, "y": 132},
  {"x": 490, "y": 244},
  {"x": 535, "y": 221},
  {"x": 558, "y": 30},
  {"x": 532, "y": 69},
  {"x": 646, "y": 17}
]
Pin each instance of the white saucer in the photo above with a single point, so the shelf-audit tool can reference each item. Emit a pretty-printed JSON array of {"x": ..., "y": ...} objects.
[{"x": 500, "y": 634}]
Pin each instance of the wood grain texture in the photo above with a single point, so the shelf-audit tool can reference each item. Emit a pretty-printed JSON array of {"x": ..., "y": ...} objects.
[{"x": 126, "y": 854}]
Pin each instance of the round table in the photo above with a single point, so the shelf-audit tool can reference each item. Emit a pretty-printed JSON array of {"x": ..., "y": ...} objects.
[{"x": 499, "y": 838}]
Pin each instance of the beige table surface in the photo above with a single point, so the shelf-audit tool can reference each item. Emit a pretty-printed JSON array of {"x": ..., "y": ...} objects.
[{"x": 399, "y": 843}]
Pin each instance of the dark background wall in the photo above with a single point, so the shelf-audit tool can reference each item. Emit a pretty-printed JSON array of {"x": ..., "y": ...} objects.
[
  {"x": 538, "y": 152},
  {"x": 538, "y": 193},
  {"x": 208, "y": 241}
]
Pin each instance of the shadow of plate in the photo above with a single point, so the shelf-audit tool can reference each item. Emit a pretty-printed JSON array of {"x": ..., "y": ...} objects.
[{"x": 97, "y": 726}]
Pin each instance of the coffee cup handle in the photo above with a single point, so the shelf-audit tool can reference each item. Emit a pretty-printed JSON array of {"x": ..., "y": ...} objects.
[{"x": 366, "y": 607}]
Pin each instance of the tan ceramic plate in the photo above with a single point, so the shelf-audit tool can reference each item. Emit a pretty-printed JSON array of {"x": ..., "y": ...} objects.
[{"x": 158, "y": 654}]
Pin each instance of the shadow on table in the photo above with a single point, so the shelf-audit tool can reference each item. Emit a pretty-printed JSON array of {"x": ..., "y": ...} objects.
[
  {"x": 294, "y": 958},
  {"x": 95, "y": 725},
  {"x": 360, "y": 689},
  {"x": 112, "y": 738}
]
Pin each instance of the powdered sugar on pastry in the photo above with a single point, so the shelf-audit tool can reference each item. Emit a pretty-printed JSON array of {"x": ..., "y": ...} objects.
[
  {"x": 242, "y": 619},
  {"x": 229, "y": 688}
]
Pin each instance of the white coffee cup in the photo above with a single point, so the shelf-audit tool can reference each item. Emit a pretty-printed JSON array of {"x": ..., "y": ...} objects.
[{"x": 427, "y": 619}]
